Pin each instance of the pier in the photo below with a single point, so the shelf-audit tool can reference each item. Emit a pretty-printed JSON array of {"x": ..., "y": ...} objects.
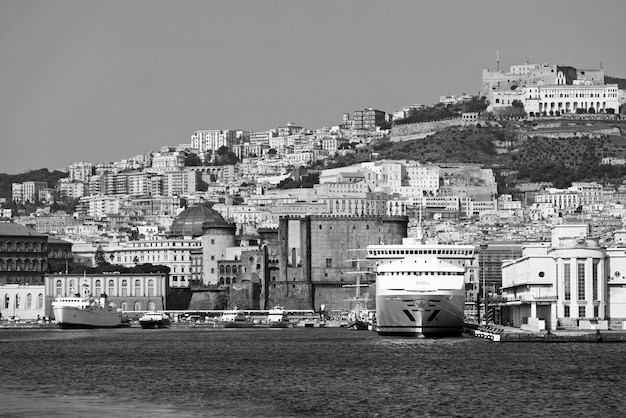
[{"x": 500, "y": 333}]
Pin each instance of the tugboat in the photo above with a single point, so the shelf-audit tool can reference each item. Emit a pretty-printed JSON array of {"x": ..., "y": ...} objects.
[{"x": 154, "y": 319}]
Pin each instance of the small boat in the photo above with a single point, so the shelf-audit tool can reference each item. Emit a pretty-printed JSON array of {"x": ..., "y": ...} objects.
[
  {"x": 317, "y": 322},
  {"x": 235, "y": 318},
  {"x": 361, "y": 319},
  {"x": 277, "y": 317},
  {"x": 155, "y": 319}
]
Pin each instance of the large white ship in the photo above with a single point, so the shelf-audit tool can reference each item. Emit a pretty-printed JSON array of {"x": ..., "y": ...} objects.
[
  {"x": 420, "y": 288},
  {"x": 85, "y": 312}
]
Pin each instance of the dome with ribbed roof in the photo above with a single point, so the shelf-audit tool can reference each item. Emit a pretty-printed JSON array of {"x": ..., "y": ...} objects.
[{"x": 190, "y": 222}]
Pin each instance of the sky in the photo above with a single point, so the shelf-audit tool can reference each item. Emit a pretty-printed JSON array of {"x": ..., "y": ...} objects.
[{"x": 100, "y": 81}]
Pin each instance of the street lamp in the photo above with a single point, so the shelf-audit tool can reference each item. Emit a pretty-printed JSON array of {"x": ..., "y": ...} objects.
[{"x": 483, "y": 248}]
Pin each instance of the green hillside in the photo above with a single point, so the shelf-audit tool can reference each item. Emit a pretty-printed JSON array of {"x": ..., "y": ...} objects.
[{"x": 43, "y": 175}]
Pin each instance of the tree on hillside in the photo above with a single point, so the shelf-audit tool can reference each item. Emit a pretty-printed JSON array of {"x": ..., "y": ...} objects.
[
  {"x": 192, "y": 160},
  {"x": 224, "y": 156},
  {"x": 99, "y": 257}
]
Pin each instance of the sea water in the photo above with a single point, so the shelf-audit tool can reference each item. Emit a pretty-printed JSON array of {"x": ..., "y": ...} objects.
[{"x": 312, "y": 372}]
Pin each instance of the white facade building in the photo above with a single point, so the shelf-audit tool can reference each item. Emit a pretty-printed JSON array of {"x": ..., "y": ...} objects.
[{"x": 571, "y": 282}]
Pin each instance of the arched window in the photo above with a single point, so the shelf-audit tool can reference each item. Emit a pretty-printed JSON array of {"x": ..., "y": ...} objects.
[
  {"x": 40, "y": 301},
  {"x": 72, "y": 289},
  {"x": 124, "y": 288},
  {"x": 234, "y": 269},
  {"x": 228, "y": 280},
  {"x": 227, "y": 269},
  {"x": 221, "y": 269},
  {"x": 124, "y": 305},
  {"x": 151, "y": 288},
  {"x": 151, "y": 306},
  {"x": 29, "y": 301},
  {"x": 137, "y": 288},
  {"x": 137, "y": 306},
  {"x": 111, "y": 287},
  {"x": 7, "y": 301},
  {"x": 59, "y": 289},
  {"x": 98, "y": 289},
  {"x": 17, "y": 301}
]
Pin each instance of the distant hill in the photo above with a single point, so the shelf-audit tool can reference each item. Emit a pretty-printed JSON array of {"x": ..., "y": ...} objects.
[{"x": 42, "y": 174}]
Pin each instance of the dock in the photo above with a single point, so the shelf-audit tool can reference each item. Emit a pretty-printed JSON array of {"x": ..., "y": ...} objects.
[{"x": 500, "y": 333}]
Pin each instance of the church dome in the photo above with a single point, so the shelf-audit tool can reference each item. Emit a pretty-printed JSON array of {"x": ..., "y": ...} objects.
[{"x": 190, "y": 222}]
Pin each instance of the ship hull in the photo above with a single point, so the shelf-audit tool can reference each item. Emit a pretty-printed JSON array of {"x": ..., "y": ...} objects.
[
  {"x": 237, "y": 324},
  {"x": 431, "y": 314},
  {"x": 68, "y": 317},
  {"x": 154, "y": 324},
  {"x": 279, "y": 325}
]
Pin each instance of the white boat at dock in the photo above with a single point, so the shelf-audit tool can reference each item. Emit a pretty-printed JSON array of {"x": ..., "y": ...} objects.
[
  {"x": 278, "y": 318},
  {"x": 86, "y": 312},
  {"x": 420, "y": 288},
  {"x": 153, "y": 319},
  {"x": 235, "y": 318}
]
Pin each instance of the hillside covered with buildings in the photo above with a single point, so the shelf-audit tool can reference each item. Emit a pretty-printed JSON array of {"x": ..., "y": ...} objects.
[{"x": 261, "y": 218}]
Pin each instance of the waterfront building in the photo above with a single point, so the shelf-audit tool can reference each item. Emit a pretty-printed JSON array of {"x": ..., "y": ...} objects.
[
  {"x": 570, "y": 282},
  {"x": 22, "y": 302},
  {"x": 23, "y": 255},
  {"x": 129, "y": 292}
]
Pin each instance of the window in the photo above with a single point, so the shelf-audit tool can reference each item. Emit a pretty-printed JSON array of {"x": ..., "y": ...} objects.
[
  {"x": 7, "y": 301},
  {"x": 111, "y": 287},
  {"x": 329, "y": 262},
  {"x": 567, "y": 280},
  {"x": 151, "y": 287},
  {"x": 581, "y": 279},
  {"x": 596, "y": 311},
  {"x": 40, "y": 301},
  {"x": 566, "y": 311},
  {"x": 124, "y": 288},
  {"x": 29, "y": 301},
  {"x": 137, "y": 288},
  {"x": 594, "y": 279},
  {"x": 581, "y": 312},
  {"x": 98, "y": 288},
  {"x": 58, "y": 289}
]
